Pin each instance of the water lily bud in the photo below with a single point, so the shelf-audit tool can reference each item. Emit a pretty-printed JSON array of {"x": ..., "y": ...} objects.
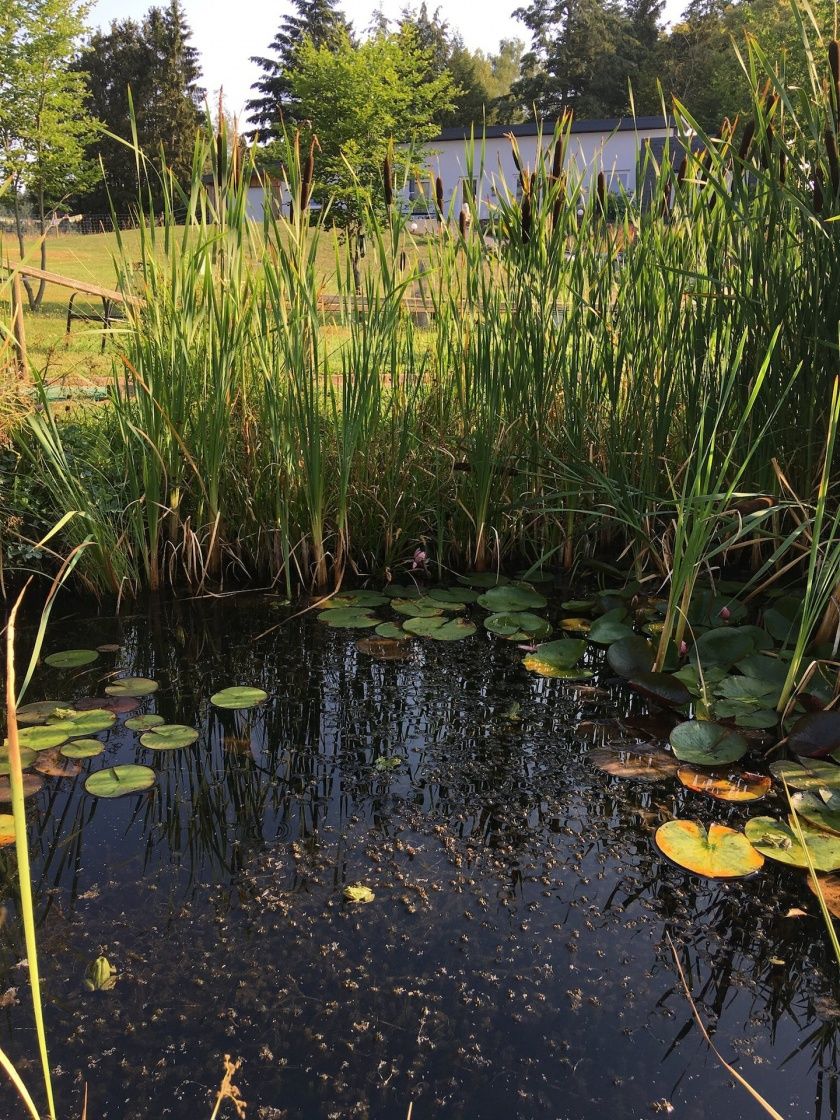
[
  {"x": 683, "y": 648},
  {"x": 725, "y": 613}
]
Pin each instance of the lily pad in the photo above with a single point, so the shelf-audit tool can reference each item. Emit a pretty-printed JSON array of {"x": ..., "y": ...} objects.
[
  {"x": 575, "y": 625},
  {"x": 631, "y": 655},
  {"x": 646, "y": 764},
  {"x": 82, "y": 748},
  {"x": 169, "y": 737},
  {"x": 830, "y": 889},
  {"x": 42, "y": 738},
  {"x": 663, "y": 688},
  {"x": 119, "y": 705},
  {"x": 723, "y": 646},
  {"x": 706, "y": 744},
  {"x": 347, "y": 599},
  {"x": 462, "y": 595},
  {"x": 109, "y": 647},
  {"x": 432, "y": 600},
  {"x": 483, "y": 579},
  {"x": 384, "y": 649},
  {"x": 807, "y": 774},
  {"x": 553, "y": 657},
  {"x": 84, "y": 723},
  {"x": 7, "y": 829},
  {"x": 574, "y": 606},
  {"x": 358, "y": 892},
  {"x": 53, "y": 765},
  {"x": 725, "y": 784},
  {"x": 132, "y": 686},
  {"x": 238, "y": 697},
  {"x": 822, "y": 809},
  {"x": 390, "y": 630},
  {"x": 416, "y": 608},
  {"x": 509, "y": 599},
  {"x": 144, "y": 723},
  {"x": 40, "y": 711},
  {"x": 71, "y": 658},
  {"x": 117, "y": 781},
  {"x": 815, "y": 735},
  {"x": 610, "y": 627},
  {"x": 349, "y": 618},
  {"x": 31, "y": 784},
  {"x": 517, "y": 626},
  {"x": 719, "y": 853},
  {"x": 440, "y": 629},
  {"x": 27, "y": 757},
  {"x": 764, "y": 668},
  {"x": 778, "y": 840},
  {"x": 402, "y": 591}
]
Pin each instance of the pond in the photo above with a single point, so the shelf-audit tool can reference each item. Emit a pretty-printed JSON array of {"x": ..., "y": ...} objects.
[{"x": 514, "y": 961}]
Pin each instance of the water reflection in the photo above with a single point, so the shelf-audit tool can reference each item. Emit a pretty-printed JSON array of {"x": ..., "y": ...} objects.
[{"x": 514, "y": 963}]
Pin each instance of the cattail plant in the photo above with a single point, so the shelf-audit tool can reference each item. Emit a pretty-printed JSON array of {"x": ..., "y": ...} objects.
[
  {"x": 307, "y": 176},
  {"x": 834, "y": 71},
  {"x": 388, "y": 181},
  {"x": 601, "y": 197},
  {"x": 439, "y": 197}
]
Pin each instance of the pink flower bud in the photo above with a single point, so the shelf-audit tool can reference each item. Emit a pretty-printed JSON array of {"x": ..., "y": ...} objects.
[
  {"x": 725, "y": 613},
  {"x": 683, "y": 649}
]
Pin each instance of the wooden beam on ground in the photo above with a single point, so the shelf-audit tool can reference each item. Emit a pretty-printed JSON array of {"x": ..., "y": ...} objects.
[{"x": 77, "y": 285}]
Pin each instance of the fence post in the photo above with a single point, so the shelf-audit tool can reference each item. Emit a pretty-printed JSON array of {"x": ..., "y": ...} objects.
[{"x": 18, "y": 330}]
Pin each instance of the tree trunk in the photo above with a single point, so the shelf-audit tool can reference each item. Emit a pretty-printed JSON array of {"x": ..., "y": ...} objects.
[{"x": 30, "y": 295}]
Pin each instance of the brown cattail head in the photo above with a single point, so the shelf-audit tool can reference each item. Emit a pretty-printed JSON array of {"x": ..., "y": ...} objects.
[
  {"x": 833, "y": 163},
  {"x": 388, "y": 181},
  {"x": 782, "y": 166},
  {"x": 559, "y": 155},
  {"x": 439, "y": 196},
  {"x": 834, "y": 66},
  {"x": 464, "y": 221},
  {"x": 666, "y": 200},
  {"x": 308, "y": 175},
  {"x": 746, "y": 140},
  {"x": 681, "y": 170},
  {"x": 601, "y": 196},
  {"x": 526, "y": 218},
  {"x": 818, "y": 190}
]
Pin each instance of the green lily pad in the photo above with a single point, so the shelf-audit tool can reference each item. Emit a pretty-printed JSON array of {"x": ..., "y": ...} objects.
[
  {"x": 719, "y": 853},
  {"x": 748, "y": 690},
  {"x": 119, "y": 780},
  {"x": 723, "y": 646},
  {"x": 84, "y": 723},
  {"x": 71, "y": 658},
  {"x": 238, "y": 697},
  {"x": 391, "y": 630},
  {"x": 483, "y": 579},
  {"x": 763, "y": 668},
  {"x": 144, "y": 723},
  {"x": 551, "y": 657},
  {"x": 575, "y": 606},
  {"x": 509, "y": 599},
  {"x": 132, "y": 686},
  {"x": 440, "y": 629},
  {"x": 416, "y": 608},
  {"x": 822, "y": 810},
  {"x": 519, "y": 625},
  {"x": 402, "y": 591},
  {"x": 663, "y": 688},
  {"x": 610, "y": 627},
  {"x": 82, "y": 748},
  {"x": 27, "y": 757},
  {"x": 809, "y": 773},
  {"x": 762, "y": 720},
  {"x": 631, "y": 655},
  {"x": 169, "y": 737},
  {"x": 704, "y": 743},
  {"x": 346, "y": 599},
  {"x": 778, "y": 840},
  {"x": 815, "y": 735},
  {"x": 349, "y": 618},
  {"x": 42, "y": 738},
  {"x": 40, "y": 711},
  {"x": 463, "y": 595},
  {"x": 442, "y": 604}
]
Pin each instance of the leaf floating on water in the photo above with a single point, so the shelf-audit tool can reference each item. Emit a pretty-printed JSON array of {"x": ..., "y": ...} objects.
[
  {"x": 132, "y": 686},
  {"x": 417, "y": 608},
  {"x": 53, "y": 765},
  {"x": 384, "y": 649},
  {"x": 483, "y": 579},
  {"x": 359, "y": 893},
  {"x": 576, "y": 605},
  {"x": 610, "y": 627},
  {"x": 819, "y": 810},
  {"x": 117, "y": 781},
  {"x": 453, "y": 595},
  {"x": 510, "y": 599},
  {"x": 353, "y": 599},
  {"x": 349, "y": 618},
  {"x": 390, "y": 630},
  {"x": 575, "y": 625},
  {"x": 663, "y": 688},
  {"x": 71, "y": 658},
  {"x": 40, "y": 711},
  {"x": 84, "y": 723},
  {"x": 557, "y": 659},
  {"x": 807, "y": 774},
  {"x": 169, "y": 737},
  {"x": 42, "y": 738},
  {"x": 816, "y": 735},
  {"x": 31, "y": 784},
  {"x": 82, "y": 748},
  {"x": 777, "y": 840},
  {"x": 238, "y": 697},
  {"x": 631, "y": 655},
  {"x": 830, "y": 888},
  {"x": 644, "y": 764},
  {"x": 402, "y": 591},
  {"x": 517, "y": 626},
  {"x": 725, "y": 785},
  {"x": 720, "y": 853},
  {"x": 119, "y": 705},
  {"x": 27, "y": 757},
  {"x": 440, "y": 629},
  {"x": 144, "y": 723},
  {"x": 707, "y": 744},
  {"x": 109, "y": 647},
  {"x": 7, "y": 829}
]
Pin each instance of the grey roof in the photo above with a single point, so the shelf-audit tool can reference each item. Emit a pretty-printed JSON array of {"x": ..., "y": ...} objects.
[{"x": 532, "y": 128}]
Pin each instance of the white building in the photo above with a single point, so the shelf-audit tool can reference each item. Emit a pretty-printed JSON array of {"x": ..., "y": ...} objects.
[{"x": 480, "y": 164}]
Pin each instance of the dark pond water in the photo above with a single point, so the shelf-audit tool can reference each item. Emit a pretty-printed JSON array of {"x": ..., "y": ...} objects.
[{"x": 514, "y": 962}]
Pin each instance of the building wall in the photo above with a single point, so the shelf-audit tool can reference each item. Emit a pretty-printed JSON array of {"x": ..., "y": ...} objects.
[{"x": 588, "y": 153}]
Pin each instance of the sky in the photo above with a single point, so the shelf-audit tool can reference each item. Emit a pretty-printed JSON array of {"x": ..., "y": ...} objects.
[{"x": 227, "y": 34}]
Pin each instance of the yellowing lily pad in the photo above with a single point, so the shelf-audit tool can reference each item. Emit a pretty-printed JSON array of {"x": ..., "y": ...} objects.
[
  {"x": 71, "y": 658},
  {"x": 238, "y": 697},
  {"x": 132, "y": 686},
  {"x": 117, "y": 781},
  {"x": 575, "y": 625},
  {"x": 719, "y": 853},
  {"x": 725, "y": 785},
  {"x": 358, "y": 893},
  {"x": 646, "y": 764},
  {"x": 169, "y": 737},
  {"x": 778, "y": 840},
  {"x": 7, "y": 829},
  {"x": 807, "y": 773},
  {"x": 557, "y": 658},
  {"x": 706, "y": 744}
]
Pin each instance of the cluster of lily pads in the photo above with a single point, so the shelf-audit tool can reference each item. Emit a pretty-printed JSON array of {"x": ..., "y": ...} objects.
[{"x": 55, "y": 736}]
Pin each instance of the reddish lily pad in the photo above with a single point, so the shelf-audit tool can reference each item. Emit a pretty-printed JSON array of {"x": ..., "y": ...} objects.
[
  {"x": 647, "y": 764},
  {"x": 719, "y": 853},
  {"x": 119, "y": 705},
  {"x": 815, "y": 735},
  {"x": 384, "y": 649},
  {"x": 31, "y": 784},
  {"x": 662, "y": 688}
]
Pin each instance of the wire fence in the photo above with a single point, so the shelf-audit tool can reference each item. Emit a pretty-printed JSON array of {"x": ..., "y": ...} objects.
[{"x": 68, "y": 223}]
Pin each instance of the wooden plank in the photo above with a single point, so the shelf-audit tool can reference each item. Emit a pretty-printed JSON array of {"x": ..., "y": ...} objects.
[
  {"x": 18, "y": 329},
  {"x": 77, "y": 285}
]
